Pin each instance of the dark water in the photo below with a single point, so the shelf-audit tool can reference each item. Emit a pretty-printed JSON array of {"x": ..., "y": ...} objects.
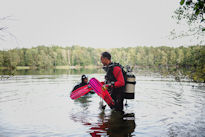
[
  {"x": 50, "y": 71},
  {"x": 39, "y": 105}
]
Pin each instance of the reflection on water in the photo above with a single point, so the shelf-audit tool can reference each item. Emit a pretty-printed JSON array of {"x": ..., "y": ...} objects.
[
  {"x": 84, "y": 101},
  {"x": 39, "y": 105},
  {"x": 109, "y": 123},
  {"x": 178, "y": 73},
  {"x": 49, "y": 71},
  {"x": 115, "y": 125}
]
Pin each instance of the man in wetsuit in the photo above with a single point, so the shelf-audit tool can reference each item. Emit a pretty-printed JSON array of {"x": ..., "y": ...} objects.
[
  {"x": 84, "y": 81},
  {"x": 115, "y": 78}
]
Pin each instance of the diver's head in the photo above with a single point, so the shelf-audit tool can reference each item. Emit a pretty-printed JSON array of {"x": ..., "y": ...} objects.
[
  {"x": 84, "y": 79},
  {"x": 105, "y": 58}
]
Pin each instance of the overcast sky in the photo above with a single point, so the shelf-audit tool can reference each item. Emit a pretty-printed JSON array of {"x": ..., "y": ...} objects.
[{"x": 89, "y": 23}]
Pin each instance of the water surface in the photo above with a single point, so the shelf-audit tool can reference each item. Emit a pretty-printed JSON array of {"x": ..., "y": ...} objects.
[{"x": 39, "y": 105}]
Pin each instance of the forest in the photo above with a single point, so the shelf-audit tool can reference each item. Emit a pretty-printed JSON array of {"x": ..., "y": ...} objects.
[{"x": 42, "y": 57}]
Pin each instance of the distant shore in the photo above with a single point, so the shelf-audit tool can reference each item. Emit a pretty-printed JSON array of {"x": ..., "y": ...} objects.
[{"x": 55, "y": 67}]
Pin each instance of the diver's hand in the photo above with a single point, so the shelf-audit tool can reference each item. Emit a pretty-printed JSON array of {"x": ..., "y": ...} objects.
[{"x": 106, "y": 86}]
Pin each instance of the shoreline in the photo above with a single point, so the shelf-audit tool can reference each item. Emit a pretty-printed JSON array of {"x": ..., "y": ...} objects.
[{"x": 53, "y": 67}]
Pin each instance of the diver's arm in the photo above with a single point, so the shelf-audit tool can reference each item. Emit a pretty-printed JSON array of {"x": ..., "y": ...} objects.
[{"x": 117, "y": 72}]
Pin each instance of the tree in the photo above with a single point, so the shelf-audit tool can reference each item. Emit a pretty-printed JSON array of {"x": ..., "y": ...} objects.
[
  {"x": 192, "y": 10},
  {"x": 179, "y": 55},
  {"x": 1, "y": 58},
  {"x": 193, "y": 13}
]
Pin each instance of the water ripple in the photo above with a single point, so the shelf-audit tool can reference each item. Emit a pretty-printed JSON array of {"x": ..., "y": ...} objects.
[{"x": 40, "y": 106}]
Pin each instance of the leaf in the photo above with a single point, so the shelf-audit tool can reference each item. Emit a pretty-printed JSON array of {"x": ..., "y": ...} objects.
[
  {"x": 196, "y": 6},
  {"x": 202, "y": 20},
  {"x": 182, "y": 2},
  {"x": 197, "y": 12},
  {"x": 188, "y": 2},
  {"x": 203, "y": 29}
]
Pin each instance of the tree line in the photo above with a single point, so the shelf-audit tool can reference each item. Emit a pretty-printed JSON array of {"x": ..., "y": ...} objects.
[{"x": 48, "y": 57}]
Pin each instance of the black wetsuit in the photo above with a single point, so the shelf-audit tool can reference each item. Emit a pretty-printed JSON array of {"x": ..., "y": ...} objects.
[
  {"x": 79, "y": 85},
  {"x": 117, "y": 94}
]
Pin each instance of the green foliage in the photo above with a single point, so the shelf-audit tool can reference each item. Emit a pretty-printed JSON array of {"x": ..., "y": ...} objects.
[
  {"x": 44, "y": 57},
  {"x": 182, "y": 2},
  {"x": 1, "y": 58},
  {"x": 193, "y": 12},
  {"x": 192, "y": 57}
]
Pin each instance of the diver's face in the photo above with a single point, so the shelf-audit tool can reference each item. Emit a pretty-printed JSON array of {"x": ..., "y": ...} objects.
[
  {"x": 85, "y": 80},
  {"x": 103, "y": 61}
]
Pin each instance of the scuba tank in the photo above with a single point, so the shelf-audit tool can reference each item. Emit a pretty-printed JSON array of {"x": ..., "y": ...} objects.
[
  {"x": 129, "y": 92},
  {"x": 129, "y": 78}
]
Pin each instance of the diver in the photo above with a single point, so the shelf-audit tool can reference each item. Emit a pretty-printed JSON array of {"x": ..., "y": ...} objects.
[
  {"x": 115, "y": 78},
  {"x": 84, "y": 81}
]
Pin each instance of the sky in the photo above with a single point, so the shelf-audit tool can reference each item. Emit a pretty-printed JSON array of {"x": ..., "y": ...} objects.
[{"x": 88, "y": 23}]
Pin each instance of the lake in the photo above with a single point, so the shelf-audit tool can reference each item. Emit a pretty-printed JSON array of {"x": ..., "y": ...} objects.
[{"x": 38, "y": 104}]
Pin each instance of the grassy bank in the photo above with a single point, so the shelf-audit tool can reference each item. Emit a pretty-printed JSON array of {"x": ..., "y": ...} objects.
[
  {"x": 22, "y": 67},
  {"x": 17, "y": 68},
  {"x": 4, "y": 68}
]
